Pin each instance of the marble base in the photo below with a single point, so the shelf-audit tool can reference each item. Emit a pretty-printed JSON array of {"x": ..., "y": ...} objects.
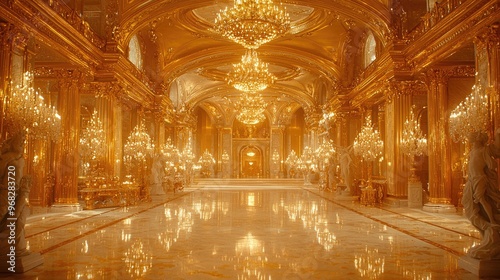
[
  {"x": 481, "y": 268},
  {"x": 439, "y": 208},
  {"x": 343, "y": 197},
  {"x": 66, "y": 208},
  {"x": 414, "y": 194},
  {"x": 395, "y": 202},
  {"x": 20, "y": 264}
]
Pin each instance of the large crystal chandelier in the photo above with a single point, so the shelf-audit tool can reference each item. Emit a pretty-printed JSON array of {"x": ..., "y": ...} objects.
[
  {"x": 471, "y": 115},
  {"x": 138, "y": 145},
  {"x": 251, "y": 108},
  {"x": 26, "y": 109},
  {"x": 413, "y": 142},
  {"x": 252, "y": 23},
  {"x": 93, "y": 143},
  {"x": 251, "y": 74},
  {"x": 368, "y": 143}
]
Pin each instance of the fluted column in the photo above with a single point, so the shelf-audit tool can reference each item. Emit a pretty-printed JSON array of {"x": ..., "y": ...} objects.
[
  {"x": 13, "y": 63},
  {"x": 226, "y": 145},
  {"x": 487, "y": 47},
  {"x": 399, "y": 103},
  {"x": 109, "y": 111},
  {"x": 438, "y": 142},
  {"x": 312, "y": 118},
  {"x": 277, "y": 147},
  {"x": 67, "y": 155}
]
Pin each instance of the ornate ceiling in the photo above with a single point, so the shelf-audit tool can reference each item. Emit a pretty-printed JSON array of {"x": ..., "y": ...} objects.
[{"x": 313, "y": 62}]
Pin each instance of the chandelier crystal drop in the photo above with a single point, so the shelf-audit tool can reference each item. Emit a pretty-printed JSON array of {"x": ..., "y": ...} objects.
[
  {"x": 471, "y": 115},
  {"x": 251, "y": 74},
  {"x": 368, "y": 143},
  {"x": 251, "y": 109},
  {"x": 413, "y": 142},
  {"x": 252, "y": 23}
]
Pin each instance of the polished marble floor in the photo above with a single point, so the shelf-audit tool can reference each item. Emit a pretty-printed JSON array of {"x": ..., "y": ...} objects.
[{"x": 244, "y": 232}]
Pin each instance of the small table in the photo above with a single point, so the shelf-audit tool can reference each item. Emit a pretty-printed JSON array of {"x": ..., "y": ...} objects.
[{"x": 368, "y": 196}]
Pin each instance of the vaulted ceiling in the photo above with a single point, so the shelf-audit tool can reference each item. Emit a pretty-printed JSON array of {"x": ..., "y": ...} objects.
[{"x": 313, "y": 62}]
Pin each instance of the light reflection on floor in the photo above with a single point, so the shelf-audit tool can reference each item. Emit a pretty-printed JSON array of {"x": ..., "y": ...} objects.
[{"x": 248, "y": 233}]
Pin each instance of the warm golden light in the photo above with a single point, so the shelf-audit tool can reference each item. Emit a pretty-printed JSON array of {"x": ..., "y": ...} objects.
[
  {"x": 250, "y": 108},
  {"x": 471, "y": 115},
  {"x": 252, "y": 23},
  {"x": 368, "y": 143},
  {"x": 26, "y": 109},
  {"x": 251, "y": 74},
  {"x": 413, "y": 142}
]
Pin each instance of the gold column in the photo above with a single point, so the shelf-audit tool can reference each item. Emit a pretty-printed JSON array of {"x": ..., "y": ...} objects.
[
  {"x": 109, "y": 112},
  {"x": 276, "y": 145},
  {"x": 13, "y": 63},
  {"x": 438, "y": 142},
  {"x": 227, "y": 145},
  {"x": 488, "y": 69},
  {"x": 66, "y": 158}
]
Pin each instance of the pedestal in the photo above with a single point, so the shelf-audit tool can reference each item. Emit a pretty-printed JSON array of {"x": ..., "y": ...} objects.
[
  {"x": 414, "y": 194},
  {"x": 439, "y": 208},
  {"x": 65, "y": 208},
  {"x": 20, "y": 264},
  {"x": 481, "y": 268}
]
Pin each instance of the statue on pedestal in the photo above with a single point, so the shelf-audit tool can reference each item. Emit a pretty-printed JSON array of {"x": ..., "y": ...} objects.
[
  {"x": 14, "y": 207},
  {"x": 481, "y": 197},
  {"x": 345, "y": 160}
]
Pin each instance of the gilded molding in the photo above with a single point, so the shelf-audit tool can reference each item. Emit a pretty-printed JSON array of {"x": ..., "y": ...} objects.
[{"x": 396, "y": 89}]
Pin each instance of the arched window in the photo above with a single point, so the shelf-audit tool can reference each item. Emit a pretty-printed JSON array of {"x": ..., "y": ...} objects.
[
  {"x": 134, "y": 52},
  {"x": 370, "y": 49}
]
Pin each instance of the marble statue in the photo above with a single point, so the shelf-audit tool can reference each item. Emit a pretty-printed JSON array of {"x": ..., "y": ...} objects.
[
  {"x": 157, "y": 175},
  {"x": 481, "y": 196},
  {"x": 14, "y": 194},
  {"x": 345, "y": 160}
]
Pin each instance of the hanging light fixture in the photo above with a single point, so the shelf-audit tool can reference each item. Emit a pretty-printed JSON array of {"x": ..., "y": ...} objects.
[
  {"x": 368, "y": 143},
  {"x": 251, "y": 74},
  {"x": 252, "y": 23},
  {"x": 251, "y": 109},
  {"x": 471, "y": 115}
]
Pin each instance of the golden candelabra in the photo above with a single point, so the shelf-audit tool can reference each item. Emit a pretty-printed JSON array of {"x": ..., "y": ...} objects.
[
  {"x": 307, "y": 164},
  {"x": 413, "y": 142},
  {"x": 26, "y": 109},
  {"x": 136, "y": 152},
  {"x": 471, "y": 115},
  {"x": 252, "y": 23},
  {"x": 324, "y": 153},
  {"x": 93, "y": 146},
  {"x": 369, "y": 145},
  {"x": 251, "y": 74},
  {"x": 292, "y": 162},
  {"x": 207, "y": 163}
]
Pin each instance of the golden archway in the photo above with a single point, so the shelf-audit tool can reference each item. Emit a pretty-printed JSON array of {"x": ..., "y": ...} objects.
[{"x": 251, "y": 162}]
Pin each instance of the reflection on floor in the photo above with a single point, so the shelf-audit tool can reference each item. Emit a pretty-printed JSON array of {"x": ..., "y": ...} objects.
[{"x": 249, "y": 233}]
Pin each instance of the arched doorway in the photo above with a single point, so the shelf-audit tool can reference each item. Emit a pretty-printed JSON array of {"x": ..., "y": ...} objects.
[{"x": 251, "y": 162}]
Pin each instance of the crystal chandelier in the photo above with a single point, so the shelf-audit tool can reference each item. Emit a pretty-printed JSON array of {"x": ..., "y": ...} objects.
[
  {"x": 26, "y": 109},
  {"x": 368, "y": 143},
  {"x": 92, "y": 144},
  {"x": 252, "y": 23},
  {"x": 251, "y": 74},
  {"x": 138, "y": 145},
  {"x": 251, "y": 108},
  {"x": 471, "y": 115},
  {"x": 413, "y": 142}
]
